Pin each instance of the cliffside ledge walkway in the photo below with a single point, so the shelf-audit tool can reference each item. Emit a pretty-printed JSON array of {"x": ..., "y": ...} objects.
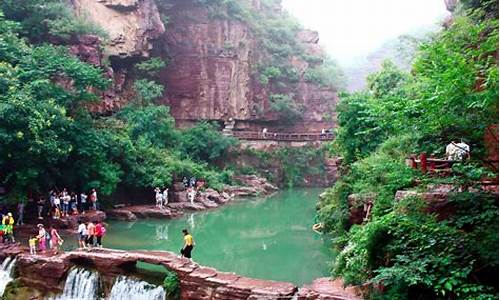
[{"x": 285, "y": 137}]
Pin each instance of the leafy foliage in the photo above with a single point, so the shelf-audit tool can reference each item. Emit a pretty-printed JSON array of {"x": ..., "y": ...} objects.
[
  {"x": 148, "y": 90},
  {"x": 285, "y": 166},
  {"x": 151, "y": 66},
  {"x": 44, "y": 116},
  {"x": 205, "y": 143},
  {"x": 288, "y": 110},
  {"x": 39, "y": 19},
  {"x": 451, "y": 92},
  {"x": 171, "y": 284}
]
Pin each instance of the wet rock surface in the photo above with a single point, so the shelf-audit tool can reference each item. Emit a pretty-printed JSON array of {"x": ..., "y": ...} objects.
[
  {"x": 328, "y": 289},
  {"x": 206, "y": 199}
]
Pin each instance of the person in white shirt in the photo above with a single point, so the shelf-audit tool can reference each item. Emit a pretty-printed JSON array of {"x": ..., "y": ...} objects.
[
  {"x": 83, "y": 202},
  {"x": 158, "y": 198},
  {"x": 165, "y": 196},
  {"x": 457, "y": 151},
  {"x": 82, "y": 234},
  {"x": 191, "y": 195}
]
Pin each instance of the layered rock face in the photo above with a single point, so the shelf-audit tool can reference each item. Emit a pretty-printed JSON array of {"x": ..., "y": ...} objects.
[
  {"x": 130, "y": 24},
  {"x": 213, "y": 64},
  {"x": 211, "y": 72}
]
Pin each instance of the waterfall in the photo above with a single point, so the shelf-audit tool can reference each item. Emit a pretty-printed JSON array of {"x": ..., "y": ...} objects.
[
  {"x": 128, "y": 288},
  {"x": 6, "y": 272},
  {"x": 81, "y": 284}
]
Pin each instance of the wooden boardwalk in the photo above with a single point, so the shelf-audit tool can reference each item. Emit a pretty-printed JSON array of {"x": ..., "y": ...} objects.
[{"x": 285, "y": 137}]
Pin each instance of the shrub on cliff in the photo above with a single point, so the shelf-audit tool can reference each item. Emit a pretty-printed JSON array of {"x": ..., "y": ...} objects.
[
  {"x": 452, "y": 92},
  {"x": 49, "y": 138},
  {"x": 41, "y": 18},
  {"x": 205, "y": 143}
]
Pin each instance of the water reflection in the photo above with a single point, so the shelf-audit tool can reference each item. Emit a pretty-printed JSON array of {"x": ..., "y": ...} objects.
[
  {"x": 191, "y": 222},
  {"x": 270, "y": 239},
  {"x": 161, "y": 232}
]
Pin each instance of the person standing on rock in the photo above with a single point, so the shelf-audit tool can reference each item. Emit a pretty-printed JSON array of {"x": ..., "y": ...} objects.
[
  {"x": 90, "y": 234},
  {"x": 55, "y": 240},
  {"x": 93, "y": 199},
  {"x": 158, "y": 198},
  {"x": 165, "y": 196},
  {"x": 83, "y": 202},
  {"x": 42, "y": 238},
  {"x": 82, "y": 234},
  {"x": 188, "y": 244},
  {"x": 20, "y": 213},
  {"x": 100, "y": 231},
  {"x": 40, "y": 204}
]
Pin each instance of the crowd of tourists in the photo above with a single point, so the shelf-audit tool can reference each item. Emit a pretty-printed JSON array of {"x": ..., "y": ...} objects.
[{"x": 63, "y": 203}]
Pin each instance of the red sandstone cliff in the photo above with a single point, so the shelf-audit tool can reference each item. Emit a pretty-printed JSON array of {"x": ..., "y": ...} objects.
[{"x": 212, "y": 64}]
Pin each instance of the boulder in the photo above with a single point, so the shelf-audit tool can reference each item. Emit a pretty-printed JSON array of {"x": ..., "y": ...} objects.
[
  {"x": 121, "y": 215},
  {"x": 187, "y": 205},
  {"x": 209, "y": 204},
  {"x": 71, "y": 222},
  {"x": 261, "y": 185},
  {"x": 131, "y": 25},
  {"x": 178, "y": 187},
  {"x": 87, "y": 49},
  {"x": 151, "y": 211},
  {"x": 241, "y": 191},
  {"x": 179, "y": 196},
  {"x": 326, "y": 288},
  {"x": 44, "y": 273}
]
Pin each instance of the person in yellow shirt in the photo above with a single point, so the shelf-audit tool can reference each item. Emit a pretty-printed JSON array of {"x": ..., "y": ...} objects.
[
  {"x": 188, "y": 244},
  {"x": 32, "y": 242}
]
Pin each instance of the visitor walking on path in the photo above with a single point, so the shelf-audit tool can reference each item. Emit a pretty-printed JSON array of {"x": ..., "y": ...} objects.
[
  {"x": 20, "y": 213},
  {"x": 42, "y": 239},
  {"x": 188, "y": 244},
  {"x": 82, "y": 235},
  {"x": 55, "y": 240},
  {"x": 100, "y": 231}
]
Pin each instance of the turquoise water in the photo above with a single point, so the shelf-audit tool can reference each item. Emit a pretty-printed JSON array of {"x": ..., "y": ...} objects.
[{"x": 265, "y": 238}]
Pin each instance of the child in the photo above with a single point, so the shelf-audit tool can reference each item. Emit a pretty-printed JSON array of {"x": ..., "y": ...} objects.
[
  {"x": 57, "y": 213},
  {"x": 32, "y": 243}
]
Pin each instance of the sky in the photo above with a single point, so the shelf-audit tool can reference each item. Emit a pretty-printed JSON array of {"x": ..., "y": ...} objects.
[{"x": 349, "y": 29}]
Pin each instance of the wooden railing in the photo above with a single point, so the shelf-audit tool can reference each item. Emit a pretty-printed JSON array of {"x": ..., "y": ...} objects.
[
  {"x": 288, "y": 137},
  {"x": 436, "y": 165}
]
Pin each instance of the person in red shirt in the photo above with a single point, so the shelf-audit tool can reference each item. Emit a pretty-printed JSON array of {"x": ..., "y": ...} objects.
[{"x": 100, "y": 231}]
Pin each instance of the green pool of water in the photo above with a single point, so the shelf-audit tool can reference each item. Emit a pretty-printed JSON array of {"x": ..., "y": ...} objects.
[{"x": 264, "y": 238}]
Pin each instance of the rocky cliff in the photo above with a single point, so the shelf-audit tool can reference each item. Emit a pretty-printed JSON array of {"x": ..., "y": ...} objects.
[{"x": 214, "y": 62}]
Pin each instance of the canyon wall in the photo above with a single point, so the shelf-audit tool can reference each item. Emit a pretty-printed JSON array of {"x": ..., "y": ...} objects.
[{"x": 213, "y": 62}]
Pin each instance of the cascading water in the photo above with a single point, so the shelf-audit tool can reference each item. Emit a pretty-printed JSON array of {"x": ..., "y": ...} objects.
[
  {"x": 81, "y": 284},
  {"x": 127, "y": 288},
  {"x": 6, "y": 272}
]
